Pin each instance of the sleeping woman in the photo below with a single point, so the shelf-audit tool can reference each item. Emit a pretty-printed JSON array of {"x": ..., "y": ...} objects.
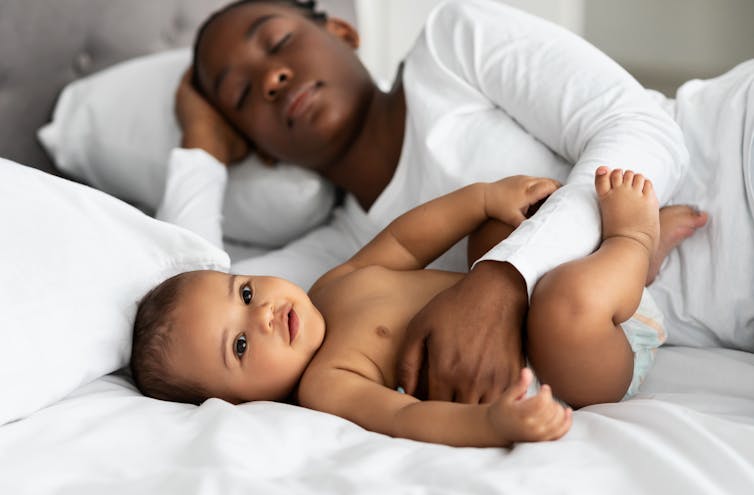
[{"x": 487, "y": 92}]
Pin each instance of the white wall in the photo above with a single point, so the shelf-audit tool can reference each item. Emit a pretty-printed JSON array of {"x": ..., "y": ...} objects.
[
  {"x": 388, "y": 30},
  {"x": 661, "y": 42},
  {"x": 665, "y": 42},
  {"x": 390, "y": 27}
]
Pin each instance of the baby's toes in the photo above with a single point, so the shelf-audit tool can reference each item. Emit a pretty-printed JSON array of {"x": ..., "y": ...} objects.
[
  {"x": 638, "y": 182},
  {"x": 628, "y": 178},
  {"x": 616, "y": 177},
  {"x": 648, "y": 189},
  {"x": 602, "y": 181}
]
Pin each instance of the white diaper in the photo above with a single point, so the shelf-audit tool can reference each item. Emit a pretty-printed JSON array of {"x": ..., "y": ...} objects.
[{"x": 645, "y": 333}]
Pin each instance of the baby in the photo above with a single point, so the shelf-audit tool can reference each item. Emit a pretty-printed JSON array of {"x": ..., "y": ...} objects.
[{"x": 244, "y": 338}]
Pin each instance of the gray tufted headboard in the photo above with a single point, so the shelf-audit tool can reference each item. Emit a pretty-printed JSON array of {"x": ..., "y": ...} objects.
[{"x": 45, "y": 44}]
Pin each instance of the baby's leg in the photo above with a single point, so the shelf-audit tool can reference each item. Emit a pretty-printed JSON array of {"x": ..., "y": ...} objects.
[{"x": 574, "y": 339}]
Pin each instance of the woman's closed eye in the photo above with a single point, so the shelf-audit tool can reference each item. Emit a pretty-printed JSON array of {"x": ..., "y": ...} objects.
[
  {"x": 240, "y": 345},
  {"x": 246, "y": 88},
  {"x": 242, "y": 96},
  {"x": 281, "y": 43}
]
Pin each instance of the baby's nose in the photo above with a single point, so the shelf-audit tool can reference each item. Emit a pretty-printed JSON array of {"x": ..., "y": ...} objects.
[{"x": 264, "y": 315}]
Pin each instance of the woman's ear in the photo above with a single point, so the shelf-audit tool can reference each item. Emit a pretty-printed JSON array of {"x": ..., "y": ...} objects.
[{"x": 343, "y": 30}]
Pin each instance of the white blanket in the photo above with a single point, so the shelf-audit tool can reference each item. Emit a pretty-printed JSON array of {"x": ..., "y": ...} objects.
[{"x": 690, "y": 430}]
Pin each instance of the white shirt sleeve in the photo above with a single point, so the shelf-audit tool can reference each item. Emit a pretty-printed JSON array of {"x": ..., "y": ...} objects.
[
  {"x": 194, "y": 190},
  {"x": 574, "y": 99}
]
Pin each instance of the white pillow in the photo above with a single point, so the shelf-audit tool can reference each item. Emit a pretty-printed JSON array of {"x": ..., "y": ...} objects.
[
  {"x": 75, "y": 261},
  {"x": 115, "y": 130}
]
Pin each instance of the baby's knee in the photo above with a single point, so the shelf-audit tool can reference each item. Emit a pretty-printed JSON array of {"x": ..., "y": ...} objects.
[
  {"x": 563, "y": 300},
  {"x": 569, "y": 337}
]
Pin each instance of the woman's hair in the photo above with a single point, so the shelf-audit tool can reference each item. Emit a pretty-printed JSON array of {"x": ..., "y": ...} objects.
[
  {"x": 308, "y": 8},
  {"x": 151, "y": 340}
]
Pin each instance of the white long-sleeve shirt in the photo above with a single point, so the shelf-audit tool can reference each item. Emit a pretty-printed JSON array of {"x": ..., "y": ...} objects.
[
  {"x": 194, "y": 189},
  {"x": 492, "y": 92}
]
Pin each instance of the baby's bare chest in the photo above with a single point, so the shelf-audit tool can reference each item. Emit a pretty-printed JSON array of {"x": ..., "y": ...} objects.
[{"x": 367, "y": 317}]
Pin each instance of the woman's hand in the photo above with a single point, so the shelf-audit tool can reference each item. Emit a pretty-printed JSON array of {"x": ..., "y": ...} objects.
[
  {"x": 510, "y": 200},
  {"x": 516, "y": 418},
  {"x": 203, "y": 127},
  {"x": 471, "y": 334}
]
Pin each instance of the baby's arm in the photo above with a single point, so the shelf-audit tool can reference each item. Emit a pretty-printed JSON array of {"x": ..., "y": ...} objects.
[
  {"x": 511, "y": 418},
  {"x": 417, "y": 237}
]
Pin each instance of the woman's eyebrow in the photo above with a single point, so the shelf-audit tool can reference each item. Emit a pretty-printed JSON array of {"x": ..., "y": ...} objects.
[
  {"x": 231, "y": 285},
  {"x": 257, "y": 24}
]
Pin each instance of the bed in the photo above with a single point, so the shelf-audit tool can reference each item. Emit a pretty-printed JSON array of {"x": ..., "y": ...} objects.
[{"x": 689, "y": 430}]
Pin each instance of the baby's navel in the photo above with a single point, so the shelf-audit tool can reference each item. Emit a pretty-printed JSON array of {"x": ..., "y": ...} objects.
[{"x": 383, "y": 331}]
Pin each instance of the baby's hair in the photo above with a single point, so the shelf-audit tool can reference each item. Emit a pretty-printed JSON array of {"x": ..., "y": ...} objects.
[
  {"x": 151, "y": 341},
  {"x": 308, "y": 7}
]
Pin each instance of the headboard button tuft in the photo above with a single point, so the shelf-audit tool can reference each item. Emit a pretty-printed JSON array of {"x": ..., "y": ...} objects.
[{"x": 82, "y": 63}]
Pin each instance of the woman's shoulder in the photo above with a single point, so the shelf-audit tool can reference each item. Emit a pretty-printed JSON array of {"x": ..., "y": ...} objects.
[
  {"x": 455, "y": 25},
  {"x": 455, "y": 11}
]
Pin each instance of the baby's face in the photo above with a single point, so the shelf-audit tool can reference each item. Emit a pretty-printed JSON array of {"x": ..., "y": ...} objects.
[{"x": 243, "y": 338}]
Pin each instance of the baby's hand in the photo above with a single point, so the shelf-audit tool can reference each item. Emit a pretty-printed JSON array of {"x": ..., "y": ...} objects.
[
  {"x": 509, "y": 199},
  {"x": 534, "y": 419}
]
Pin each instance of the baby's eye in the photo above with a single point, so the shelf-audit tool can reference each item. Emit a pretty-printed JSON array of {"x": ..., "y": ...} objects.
[
  {"x": 246, "y": 294},
  {"x": 240, "y": 345}
]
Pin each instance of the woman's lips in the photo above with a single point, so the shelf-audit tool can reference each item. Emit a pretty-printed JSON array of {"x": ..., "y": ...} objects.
[
  {"x": 293, "y": 324},
  {"x": 299, "y": 101}
]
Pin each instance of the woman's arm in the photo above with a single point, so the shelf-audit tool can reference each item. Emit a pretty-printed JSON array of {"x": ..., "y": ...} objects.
[
  {"x": 512, "y": 418},
  {"x": 197, "y": 173},
  {"x": 203, "y": 127},
  {"x": 487, "y": 236},
  {"x": 194, "y": 190},
  {"x": 419, "y": 236},
  {"x": 583, "y": 106},
  {"x": 568, "y": 95}
]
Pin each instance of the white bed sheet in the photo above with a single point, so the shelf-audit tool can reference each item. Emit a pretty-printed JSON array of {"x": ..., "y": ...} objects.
[{"x": 690, "y": 430}]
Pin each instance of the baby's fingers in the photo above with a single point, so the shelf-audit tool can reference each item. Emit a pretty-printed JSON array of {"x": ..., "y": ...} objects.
[
  {"x": 536, "y": 192},
  {"x": 564, "y": 423},
  {"x": 539, "y": 189},
  {"x": 559, "y": 424},
  {"x": 556, "y": 418},
  {"x": 543, "y": 410},
  {"x": 517, "y": 391}
]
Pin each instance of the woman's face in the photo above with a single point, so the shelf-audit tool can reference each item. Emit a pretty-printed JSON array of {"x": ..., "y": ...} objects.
[{"x": 293, "y": 86}]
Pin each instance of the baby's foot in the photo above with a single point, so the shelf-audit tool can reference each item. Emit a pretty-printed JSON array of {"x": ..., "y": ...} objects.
[
  {"x": 676, "y": 224},
  {"x": 629, "y": 207}
]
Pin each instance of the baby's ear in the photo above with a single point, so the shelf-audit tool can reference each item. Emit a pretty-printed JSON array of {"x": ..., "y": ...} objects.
[{"x": 343, "y": 30}]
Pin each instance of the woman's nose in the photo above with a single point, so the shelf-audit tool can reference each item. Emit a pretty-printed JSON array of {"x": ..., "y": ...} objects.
[{"x": 275, "y": 81}]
